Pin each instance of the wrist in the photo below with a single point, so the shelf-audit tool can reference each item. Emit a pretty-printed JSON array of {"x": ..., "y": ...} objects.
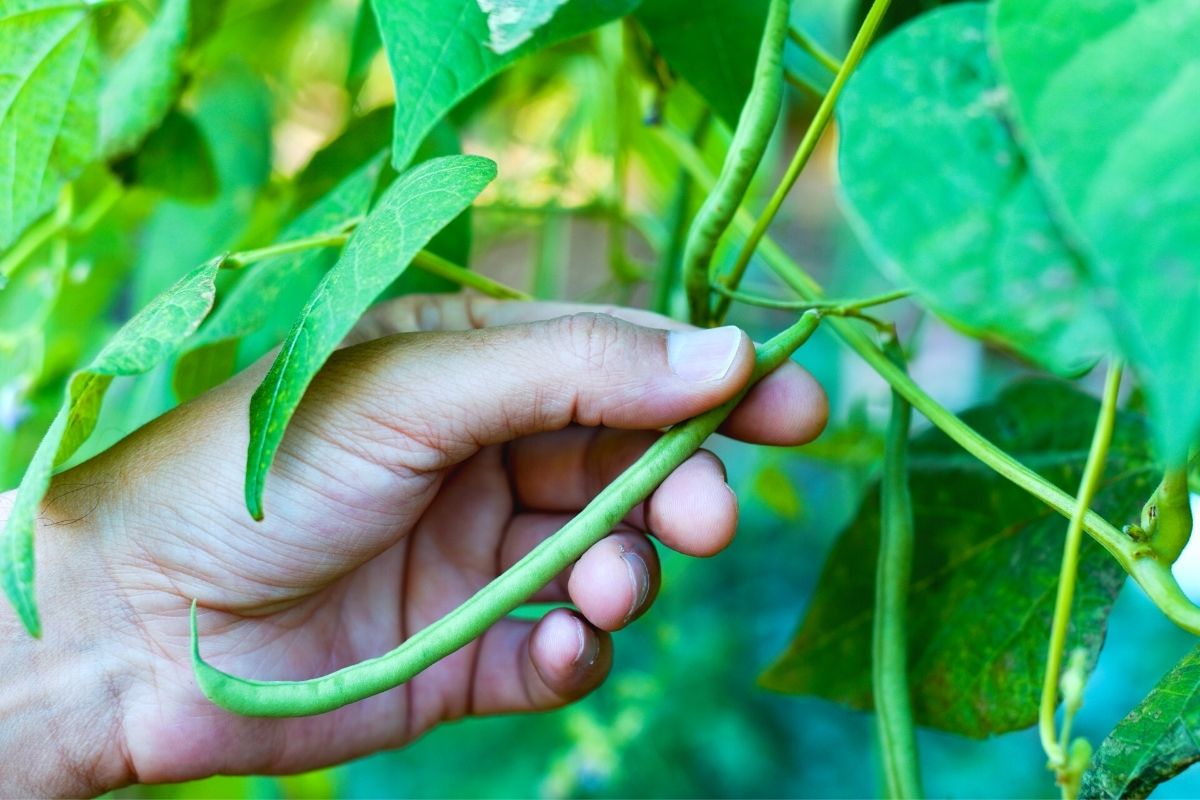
[{"x": 61, "y": 696}]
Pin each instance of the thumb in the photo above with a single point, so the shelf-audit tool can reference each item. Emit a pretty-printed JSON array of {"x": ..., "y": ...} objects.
[{"x": 452, "y": 393}]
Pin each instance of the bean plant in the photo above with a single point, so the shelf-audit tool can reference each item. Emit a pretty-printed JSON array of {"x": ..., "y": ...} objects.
[{"x": 1023, "y": 170}]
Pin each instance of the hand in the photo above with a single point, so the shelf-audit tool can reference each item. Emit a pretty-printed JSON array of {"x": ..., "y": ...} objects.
[{"x": 418, "y": 467}]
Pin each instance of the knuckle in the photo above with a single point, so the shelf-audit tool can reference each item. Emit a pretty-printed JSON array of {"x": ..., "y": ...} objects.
[{"x": 591, "y": 339}]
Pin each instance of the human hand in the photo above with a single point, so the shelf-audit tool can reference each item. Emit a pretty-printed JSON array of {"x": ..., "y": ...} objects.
[{"x": 418, "y": 467}]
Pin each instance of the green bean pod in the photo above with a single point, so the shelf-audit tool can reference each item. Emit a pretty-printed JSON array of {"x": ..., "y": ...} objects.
[
  {"x": 889, "y": 647},
  {"x": 506, "y": 592},
  {"x": 754, "y": 128}
]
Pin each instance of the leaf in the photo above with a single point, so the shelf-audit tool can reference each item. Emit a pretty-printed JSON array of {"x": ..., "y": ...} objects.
[
  {"x": 150, "y": 337},
  {"x": 233, "y": 114},
  {"x": 139, "y": 89},
  {"x": 712, "y": 44},
  {"x": 272, "y": 292},
  {"x": 416, "y": 206},
  {"x": 1156, "y": 742},
  {"x": 48, "y": 94},
  {"x": 363, "y": 137},
  {"x": 942, "y": 199},
  {"x": 985, "y": 569},
  {"x": 364, "y": 44},
  {"x": 1105, "y": 100},
  {"x": 174, "y": 159},
  {"x": 899, "y": 12},
  {"x": 438, "y": 53},
  {"x": 512, "y": 22}
]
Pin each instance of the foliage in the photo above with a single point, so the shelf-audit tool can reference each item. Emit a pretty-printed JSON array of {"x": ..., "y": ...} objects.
[{"x": 185, "y": 186}]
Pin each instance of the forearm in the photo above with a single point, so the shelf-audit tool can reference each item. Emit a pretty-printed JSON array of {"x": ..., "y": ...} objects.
[{"x": 60, "y": 696}]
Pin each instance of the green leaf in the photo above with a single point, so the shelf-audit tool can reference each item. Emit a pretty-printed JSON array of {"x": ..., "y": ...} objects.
[
  {"x": 48, "y": 91},
  {"x": 1156, "y": 742},
  {"x": 174, "y": 159},
  {"x": 1105, "y": 99},
  {"x": 139, "y": 89},
  {"x": 416, "y": 206},
  {"x": 150, "y": 337},
  {"x": 942, "y": 199},
  {"x": 899, "y": 12},
  {"x": 356, "y": 145},
  {"x": 364, "y": 44},
  {"x": 712, "y": 44},
  {"x": 512, "y": 22},
  {"x": 272, "y": 293},
  {"x": 438, "y": 53},
  {"x": 985, "y": 569}
]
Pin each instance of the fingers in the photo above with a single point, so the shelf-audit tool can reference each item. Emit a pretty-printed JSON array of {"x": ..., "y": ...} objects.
[
  {"x": 693, "y": 511},
  {"x": 612, "y": 584},
  {"x": 443, "y": 396},
  {"x": 558, "y": 659}
]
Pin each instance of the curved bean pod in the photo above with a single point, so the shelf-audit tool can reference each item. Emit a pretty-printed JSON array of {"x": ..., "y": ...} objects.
[{"x": 754, "y": 128}]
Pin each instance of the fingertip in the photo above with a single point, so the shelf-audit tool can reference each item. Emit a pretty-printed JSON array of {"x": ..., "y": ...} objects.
[
  {"x": 694, "y": 511},
  {"x": 615, "y": 580},
  {"x": 786, "y": 408},
  {"x": 570, "y": 656}
]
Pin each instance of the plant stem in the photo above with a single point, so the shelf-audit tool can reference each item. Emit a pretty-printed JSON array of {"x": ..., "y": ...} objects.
[
  {"x": 803, "y": 151},
  {"x": 819, "y": 53},
  {"x": 1153, "y": 575},
  {"x": 248, "y": 257},
  {"x": 53, "y": 224},
  {"x": 436, "y": 265},
  {"x": 801, "y": 85},
  {"x": 504, "y": 593},
  {"x": 670, "y": 260},
  {"x": 889, "y": 651},
  {"x": 834, "y": 305},
  {"x": 1093, "y": 471}
]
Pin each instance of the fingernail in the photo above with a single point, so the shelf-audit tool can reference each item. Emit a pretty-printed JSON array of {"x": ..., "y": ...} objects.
[
  {"x": 639, "y": 579},
  {"x": 589, "y": 646},
  {"x": 703, "y": 355}
]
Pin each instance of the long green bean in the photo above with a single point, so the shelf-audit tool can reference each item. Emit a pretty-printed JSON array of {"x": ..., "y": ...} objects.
[
  {"x": 506, "y": 592},
  {"x": 754, "y": 129}
]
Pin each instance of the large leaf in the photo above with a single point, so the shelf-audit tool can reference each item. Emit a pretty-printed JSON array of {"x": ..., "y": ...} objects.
[
  {"x": 438, "y": 51},
  {"x": 48, "y": 127},
  {"x": 145, "y": 341},
  {"x": 943, "y": 200},
  {"x": 985, "y": 569},
  {"x": 272, "y": 292},
  {"x": 712, "y": 44},
  {"x": 140, "y": 88},
  {"x": 1158, "y": 740},
  {"x": 1106, "y": 101},
  {"x": 416, "y": 206},
  {"x": 512, "y": 22}
]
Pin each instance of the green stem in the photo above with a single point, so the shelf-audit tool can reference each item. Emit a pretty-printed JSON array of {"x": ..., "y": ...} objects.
[
  {"x": 436, "y": 265},
  {"x": 803, "y": 86},
  {"x": 53, "y": 224},
  {"x": 670, "y": 261},
  {"x": 506, "y": 592},
  {"x": 819, "y": 53},
  {"x": 889, "y": 661},
  {"x": 1152, "y": 574},
  {"x": 1093, "y": 471},
  {"x": 806, "y": 305},
  {"x": 248, "y": 257},
  {"x": 804, "y": 151}
]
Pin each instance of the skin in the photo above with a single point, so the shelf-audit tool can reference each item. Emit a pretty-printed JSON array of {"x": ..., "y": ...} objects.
[{"x": 418, "y": 466}]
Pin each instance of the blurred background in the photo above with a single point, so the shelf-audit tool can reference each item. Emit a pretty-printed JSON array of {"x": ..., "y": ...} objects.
[{"x": 585, "y": 199}]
